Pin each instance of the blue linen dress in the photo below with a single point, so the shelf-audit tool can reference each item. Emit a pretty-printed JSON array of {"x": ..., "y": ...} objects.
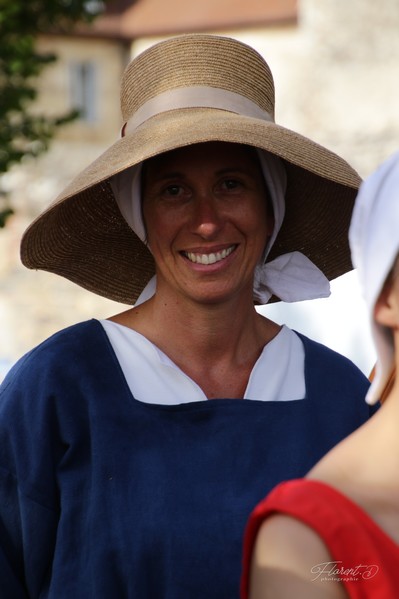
[{"x": 105, "y": 497}]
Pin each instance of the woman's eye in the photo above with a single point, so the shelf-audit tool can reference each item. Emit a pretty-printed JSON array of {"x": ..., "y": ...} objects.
[
  {"x": 230, "y": 184},
  {"x": 173, "y": 190}
]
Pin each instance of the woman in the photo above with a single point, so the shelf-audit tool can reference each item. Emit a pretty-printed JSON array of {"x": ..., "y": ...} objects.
[
  {"x": 336, "y": 532},
  {"x": 131, "y": 448}
]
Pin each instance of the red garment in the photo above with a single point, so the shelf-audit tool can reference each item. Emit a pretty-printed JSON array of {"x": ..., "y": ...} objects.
[{"x": 364, "y": 557}]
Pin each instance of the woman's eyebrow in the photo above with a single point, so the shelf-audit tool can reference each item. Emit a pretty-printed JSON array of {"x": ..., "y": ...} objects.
[
  {"x": 168, "y": 175},
  {"x": 231, "y": 169},
  {"x": 159, "y": 177},
  {"x": 164, "y": 176}
]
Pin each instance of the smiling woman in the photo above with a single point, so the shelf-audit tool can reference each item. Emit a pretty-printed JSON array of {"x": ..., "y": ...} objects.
[{"x": 134, "y": 448}]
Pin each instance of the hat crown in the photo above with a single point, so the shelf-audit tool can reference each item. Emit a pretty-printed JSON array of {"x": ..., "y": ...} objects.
[{"x": 197, "y": 60}]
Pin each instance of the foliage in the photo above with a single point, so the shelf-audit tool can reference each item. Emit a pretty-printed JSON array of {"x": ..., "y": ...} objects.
[{"x": 23, "y": 132}]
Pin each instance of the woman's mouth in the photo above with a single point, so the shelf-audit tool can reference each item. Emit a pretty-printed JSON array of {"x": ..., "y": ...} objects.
[{"x": 210, "y": 258}]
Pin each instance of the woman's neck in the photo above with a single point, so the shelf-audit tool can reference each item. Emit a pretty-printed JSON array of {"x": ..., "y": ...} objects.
[
  {"x": 214, "y": 328},
  {"x": 369, "y": 457},
  {"x": 216, "y": 345}
]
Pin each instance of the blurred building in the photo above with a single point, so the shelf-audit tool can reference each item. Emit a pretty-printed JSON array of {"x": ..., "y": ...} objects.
[{"x": 336, "y": 67}]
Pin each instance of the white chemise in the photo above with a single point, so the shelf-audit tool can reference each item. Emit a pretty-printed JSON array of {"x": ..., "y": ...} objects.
[{"x": 278, "y": 374}]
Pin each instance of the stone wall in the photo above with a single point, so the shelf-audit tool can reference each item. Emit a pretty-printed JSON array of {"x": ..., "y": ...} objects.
[
  {"x": 33, "y": 305},
  {"x": 349, "y": 95}
]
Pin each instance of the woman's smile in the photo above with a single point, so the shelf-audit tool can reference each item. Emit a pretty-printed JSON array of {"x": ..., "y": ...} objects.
[{"x": 207, "y": 258}]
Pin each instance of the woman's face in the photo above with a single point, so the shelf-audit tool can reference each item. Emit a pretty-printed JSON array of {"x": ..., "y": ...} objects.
[{"x": 207, "y": 222}]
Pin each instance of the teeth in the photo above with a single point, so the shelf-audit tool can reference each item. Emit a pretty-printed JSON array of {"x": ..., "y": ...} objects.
[{"x": 209, "y": 258}]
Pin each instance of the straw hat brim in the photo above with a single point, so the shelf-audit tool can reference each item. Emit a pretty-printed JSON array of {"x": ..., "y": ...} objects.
[{"x": 82, "y": 235}]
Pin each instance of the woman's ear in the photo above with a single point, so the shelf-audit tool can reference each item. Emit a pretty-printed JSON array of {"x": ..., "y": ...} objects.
[{"x": 386, "y": 309}]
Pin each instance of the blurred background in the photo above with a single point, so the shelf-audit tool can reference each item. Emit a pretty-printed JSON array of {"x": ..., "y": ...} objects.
[{"x": 336, "y": 70}]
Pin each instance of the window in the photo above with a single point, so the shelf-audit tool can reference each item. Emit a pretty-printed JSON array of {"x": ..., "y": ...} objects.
[{"x": 84, "y": 96}]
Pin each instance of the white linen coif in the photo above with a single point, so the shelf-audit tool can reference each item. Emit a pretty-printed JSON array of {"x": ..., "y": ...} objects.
[{"x": 374, "y": 243}]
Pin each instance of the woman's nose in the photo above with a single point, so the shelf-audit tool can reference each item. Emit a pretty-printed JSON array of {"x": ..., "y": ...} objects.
[{"x": 207, "y": 220}]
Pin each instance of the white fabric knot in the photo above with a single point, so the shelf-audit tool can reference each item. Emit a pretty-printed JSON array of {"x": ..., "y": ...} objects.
[{"x": 291, "y": 277}]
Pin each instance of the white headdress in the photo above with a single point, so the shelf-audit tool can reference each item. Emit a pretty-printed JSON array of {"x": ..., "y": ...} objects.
[{"x": 374, "y": 242}]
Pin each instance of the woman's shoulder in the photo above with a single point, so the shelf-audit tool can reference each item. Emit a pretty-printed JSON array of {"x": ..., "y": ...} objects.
[
  {"x": 87, "y": 331},
  {"x": 324, "y": 363},
  {"x": 61, "y": 351},
  {"x": 286, "y": 550},
  {"x": 286, "y": 555},
  {"x": 316, "y": 348},
  {"x": 56, "y": 382}
]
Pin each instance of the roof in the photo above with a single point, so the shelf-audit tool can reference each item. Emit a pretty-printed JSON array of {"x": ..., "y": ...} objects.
[{"x": 128, "y": 20}]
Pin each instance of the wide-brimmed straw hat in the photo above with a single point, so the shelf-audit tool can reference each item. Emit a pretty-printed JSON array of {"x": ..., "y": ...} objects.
[{"x": 187, "y": 90}]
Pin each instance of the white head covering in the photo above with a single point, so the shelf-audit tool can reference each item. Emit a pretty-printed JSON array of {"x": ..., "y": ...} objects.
[
  {"x": 291, "y": 277},
  {"x": 374, "y": 242}
]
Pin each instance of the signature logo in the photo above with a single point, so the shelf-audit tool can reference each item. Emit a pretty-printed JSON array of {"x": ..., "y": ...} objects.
[{"x": 336, "y": 571}]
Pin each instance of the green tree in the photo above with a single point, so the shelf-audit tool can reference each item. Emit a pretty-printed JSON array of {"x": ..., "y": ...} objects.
[{"x": 22, "y": 131}]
